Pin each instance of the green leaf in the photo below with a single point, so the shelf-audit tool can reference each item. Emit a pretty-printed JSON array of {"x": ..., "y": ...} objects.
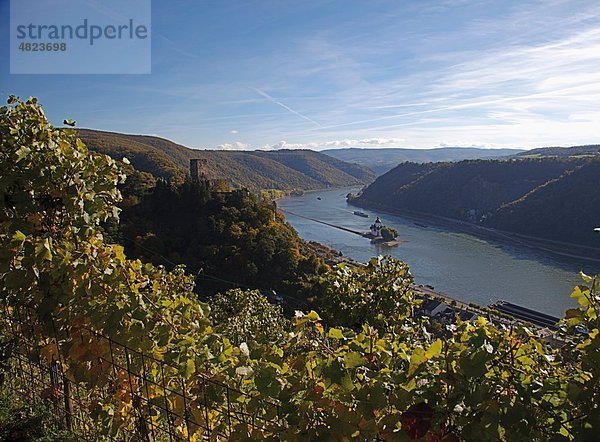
[
  {"x": 190, "y": 368},
  {"x": 19, "y": 237},
  {"x": 333, "y": 372},
  {"x": 434, "y": 349},
  {"x": 47, "y": 305},
  {"x": 22, "y": 153},
  {"x": 43, "y": 250},
  {"x": 313, "y": 316},
  {"x": 335, "y": 333},
  {"x": 354, "y": 359},
  {"x": 266, "y": 381},
  {"x": 347, "y": 383},
  {"x": 416, "y": 359},
  {"x": 113, "y": 322},
  {"x": 581, "y": 293},
  {"x": 585, "y": 277},
  {"x": 475, "y": 365}
]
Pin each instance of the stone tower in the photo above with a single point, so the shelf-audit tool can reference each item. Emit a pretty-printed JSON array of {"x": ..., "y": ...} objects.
[{"x": 198, "y": 169}]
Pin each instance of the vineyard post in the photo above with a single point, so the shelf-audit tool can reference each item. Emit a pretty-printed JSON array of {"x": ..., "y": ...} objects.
[{"x": 67, "y": 391}]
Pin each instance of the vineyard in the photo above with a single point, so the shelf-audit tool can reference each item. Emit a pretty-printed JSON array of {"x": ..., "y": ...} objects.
[
  {"x": 161, "y": 407},
  {"x": 124, "y": 350}
]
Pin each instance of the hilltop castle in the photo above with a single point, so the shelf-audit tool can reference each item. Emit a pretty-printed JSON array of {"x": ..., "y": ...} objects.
[{"x": 199, "y": 172}]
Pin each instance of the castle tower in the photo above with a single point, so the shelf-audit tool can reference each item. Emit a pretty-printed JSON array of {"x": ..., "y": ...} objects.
[
  {"x": 198, "y": 169},
  {"x": 199, "y": 172},
  {"x": 376, "y": 228}
]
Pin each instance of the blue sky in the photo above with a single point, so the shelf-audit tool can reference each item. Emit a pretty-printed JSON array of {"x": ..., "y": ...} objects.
[{"x": 265, "y": 74}]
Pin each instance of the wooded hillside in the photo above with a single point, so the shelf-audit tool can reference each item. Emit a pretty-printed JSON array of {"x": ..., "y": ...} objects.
[
  {"x": 552, "y": 198},
  {"x": 283, "y": 169}
]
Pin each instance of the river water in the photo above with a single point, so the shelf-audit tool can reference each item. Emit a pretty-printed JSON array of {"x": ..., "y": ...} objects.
[{"x": 463, "y": 266}]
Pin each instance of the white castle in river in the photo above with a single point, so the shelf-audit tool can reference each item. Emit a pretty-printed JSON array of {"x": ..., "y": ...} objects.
[{"x": 376, "y": 228}]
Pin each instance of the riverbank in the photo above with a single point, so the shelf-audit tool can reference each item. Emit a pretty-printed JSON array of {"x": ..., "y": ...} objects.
[
  {"x": 568, "y": 250},
  {"x": 390, "y": 243},
  {"x": 280, "y": 194}
]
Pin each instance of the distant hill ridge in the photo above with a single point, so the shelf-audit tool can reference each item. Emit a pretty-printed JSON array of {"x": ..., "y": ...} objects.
[
  {"x": 283, "y": 169},
  {"x": 381, "y": 160},
  {"x": 574, "y": 151}
]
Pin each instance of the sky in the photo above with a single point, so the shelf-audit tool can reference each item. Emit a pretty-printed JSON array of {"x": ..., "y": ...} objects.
[{"x": 265, "y": 74}]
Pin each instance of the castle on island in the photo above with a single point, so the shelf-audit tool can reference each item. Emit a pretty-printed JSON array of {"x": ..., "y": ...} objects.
[
  {"x": 376, "y": 228},
  {"x": 381, "y": 234}
]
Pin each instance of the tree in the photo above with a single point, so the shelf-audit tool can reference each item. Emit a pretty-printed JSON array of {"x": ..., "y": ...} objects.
[
  {"x": 389, "y": 233},
  {"x": 378, "y": 293},
  {"x": 237, "y": 240},
  {"x": 247, "y": 316}
]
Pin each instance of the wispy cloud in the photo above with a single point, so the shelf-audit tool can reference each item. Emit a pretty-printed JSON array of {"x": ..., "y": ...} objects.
[
  {"x": 279, "y": 103},
  {"x": 175, "y": 47},
  {"x": 514, "y": 89},
  {"x": 366, "y": 142}
]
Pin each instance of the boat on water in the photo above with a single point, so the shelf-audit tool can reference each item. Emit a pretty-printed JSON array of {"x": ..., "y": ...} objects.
[
  {"x": 319, "y": 198},
  {"x": 359, "y": 213},
  {"x": 421, "y": 225},
  {"x": 526, "y": 314}
]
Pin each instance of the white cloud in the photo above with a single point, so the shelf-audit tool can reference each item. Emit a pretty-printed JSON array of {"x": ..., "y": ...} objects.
[
  {"x": 366, "y": 142},
  {"x": 233, "y": 146}
]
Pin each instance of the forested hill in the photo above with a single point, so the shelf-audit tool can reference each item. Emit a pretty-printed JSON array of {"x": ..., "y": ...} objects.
[
  {"x": 382, "y": 160},
  {"x": 575, "y": 151},
  {"x": 550, "y": 198},
  {"x": 284, "y": 169},
  {"x": 565, "y": 208}
]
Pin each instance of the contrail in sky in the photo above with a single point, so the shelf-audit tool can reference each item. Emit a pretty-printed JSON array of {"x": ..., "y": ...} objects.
[{"x": 279, "y": 103}]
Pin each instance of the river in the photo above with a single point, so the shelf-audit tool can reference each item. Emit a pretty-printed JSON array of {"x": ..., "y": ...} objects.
[{"x": 463, "y": 266}]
